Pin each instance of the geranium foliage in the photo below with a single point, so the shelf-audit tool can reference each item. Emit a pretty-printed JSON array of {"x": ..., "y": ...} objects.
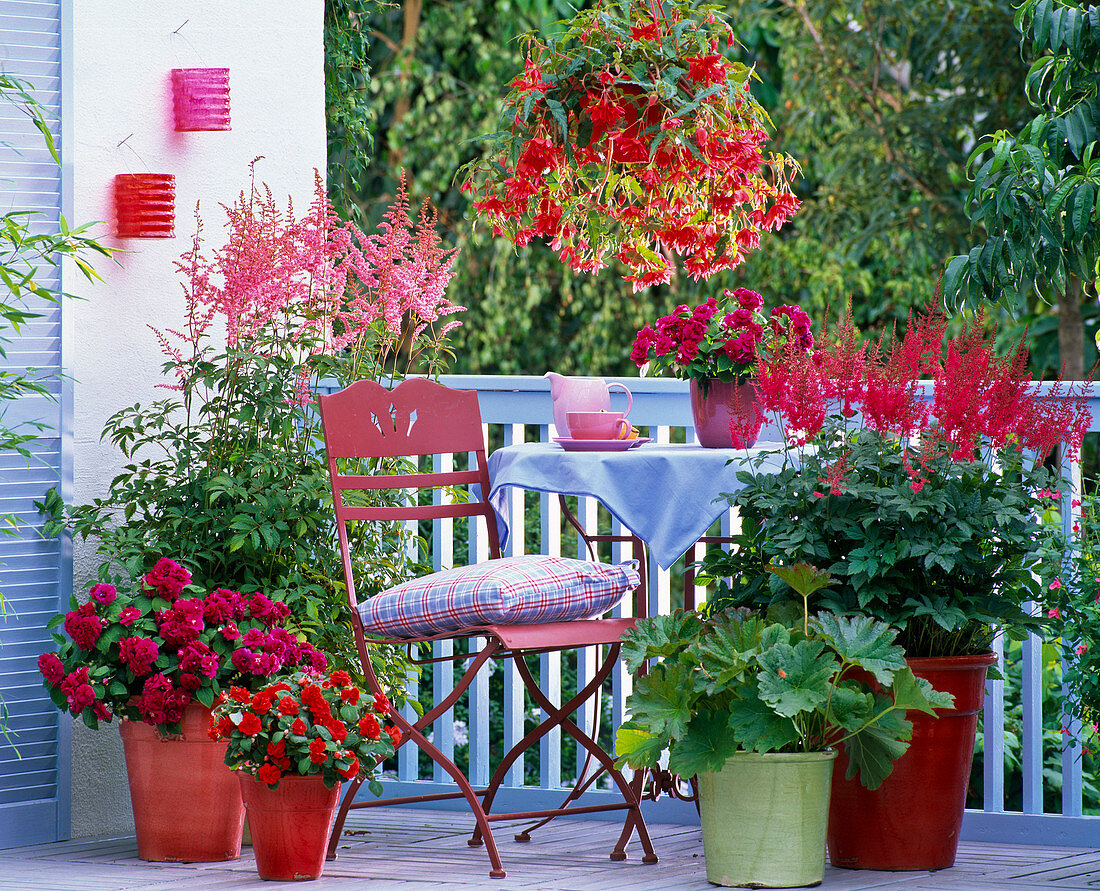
[{"x": 632, "y": 137}]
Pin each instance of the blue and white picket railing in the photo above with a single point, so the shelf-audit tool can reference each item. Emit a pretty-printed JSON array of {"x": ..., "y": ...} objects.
[{"x": 518, "y": 408}]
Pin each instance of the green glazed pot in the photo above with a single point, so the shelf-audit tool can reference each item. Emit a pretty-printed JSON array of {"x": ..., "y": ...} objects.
[{"x": 764, "y": 819}]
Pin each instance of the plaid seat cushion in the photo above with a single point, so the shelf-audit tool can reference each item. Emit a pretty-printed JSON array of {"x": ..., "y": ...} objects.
[{"x": 510, "y": 591}]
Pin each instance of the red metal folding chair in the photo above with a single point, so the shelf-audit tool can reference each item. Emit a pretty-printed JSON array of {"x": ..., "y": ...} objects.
[{"x": 422, "y": 418}]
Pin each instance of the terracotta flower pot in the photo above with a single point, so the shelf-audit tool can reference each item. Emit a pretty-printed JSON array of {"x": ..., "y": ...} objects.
[
  {"x": 290, "y": 825},
  {"x": 187, "y": 803},
  {"x": 912, "y": 821},
  {"x": 728, "y": 416}
]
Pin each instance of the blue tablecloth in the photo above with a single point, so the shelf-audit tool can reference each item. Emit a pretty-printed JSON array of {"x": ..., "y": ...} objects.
[{"x": 665, "y": 494}]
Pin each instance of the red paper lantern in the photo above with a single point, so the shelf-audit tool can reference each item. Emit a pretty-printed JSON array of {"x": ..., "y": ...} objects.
[
  {"x": 201, "y": 98},
  {"x": 145, "y": 205}
]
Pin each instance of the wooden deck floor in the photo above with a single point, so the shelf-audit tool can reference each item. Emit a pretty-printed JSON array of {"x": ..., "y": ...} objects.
[{"x": 407, "y": 849}]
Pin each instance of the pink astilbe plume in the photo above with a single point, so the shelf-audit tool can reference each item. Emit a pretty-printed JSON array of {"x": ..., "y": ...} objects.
[{"x": 311, "y": 286}]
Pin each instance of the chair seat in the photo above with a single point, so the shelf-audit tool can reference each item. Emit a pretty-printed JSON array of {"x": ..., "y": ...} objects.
[
  {"x": 532, "y": 589},
  {"x": 577, "y": 633}
]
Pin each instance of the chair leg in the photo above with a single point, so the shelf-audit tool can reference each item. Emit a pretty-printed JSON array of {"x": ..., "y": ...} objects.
[
  {"x": 483, "y": 827},
  {"x": 560, "y": 716},
  {"x": 584, "y": 782},
  {"x": 631, "y": 793},
  {"x": 545, "y": 727},
  {"x": 410, "y": 731}
]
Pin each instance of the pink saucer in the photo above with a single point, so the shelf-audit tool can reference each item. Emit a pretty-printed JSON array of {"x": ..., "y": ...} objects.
[{"x": 599, "y": 445}]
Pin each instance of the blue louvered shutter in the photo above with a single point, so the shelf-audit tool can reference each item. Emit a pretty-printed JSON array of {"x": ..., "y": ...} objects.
[{"x": 34, "y": 761}]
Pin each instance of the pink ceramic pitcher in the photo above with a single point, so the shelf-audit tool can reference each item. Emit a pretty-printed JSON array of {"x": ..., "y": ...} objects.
[{"x": 580, "y": 394}]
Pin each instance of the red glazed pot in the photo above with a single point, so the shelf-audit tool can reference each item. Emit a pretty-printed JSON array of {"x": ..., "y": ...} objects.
[
  {"x": 912, "y": 821},
  {"x": 290, "y": 825},
  {"x": 187, "y": 803},
  {"x": 728, "y": 416}
]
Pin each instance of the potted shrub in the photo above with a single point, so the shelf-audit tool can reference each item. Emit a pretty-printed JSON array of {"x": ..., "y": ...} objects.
[
  {"x": 630, "y": 136},
  {"x": 715, "y": 346},
  {"x": 292, "y": 743},
  {"x": 756, "y": 705},
  {"x": 157, "y": 659},
  {"x": 925, "y": 509}
]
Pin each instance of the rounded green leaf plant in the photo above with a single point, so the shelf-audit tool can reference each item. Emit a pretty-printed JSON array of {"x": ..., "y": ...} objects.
[{"x": 739, "y": 681}]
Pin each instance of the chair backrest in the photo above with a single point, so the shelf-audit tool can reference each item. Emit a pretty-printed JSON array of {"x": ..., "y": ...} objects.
[{"x": 416, "y": 418}]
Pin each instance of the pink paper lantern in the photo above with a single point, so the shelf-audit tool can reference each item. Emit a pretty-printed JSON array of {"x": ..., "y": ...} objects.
[
  {"x": 201, "y": 98},
  {"x": 145, "y": 205}
]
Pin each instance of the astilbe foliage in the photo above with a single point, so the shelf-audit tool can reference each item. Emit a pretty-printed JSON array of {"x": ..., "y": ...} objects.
[
  {"x": 632, "y": 137},
  {"x": 915, "y": 478}
]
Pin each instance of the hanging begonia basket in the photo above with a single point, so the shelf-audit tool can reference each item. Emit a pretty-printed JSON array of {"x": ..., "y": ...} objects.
[{"x": 631, "y": 136}]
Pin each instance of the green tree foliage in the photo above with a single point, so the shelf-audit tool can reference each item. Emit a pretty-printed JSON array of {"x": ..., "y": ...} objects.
[
  {"x": 348, "y": 110},
  {"x": 879, "y": 103},
  {"x": 1034, "y": 193}
]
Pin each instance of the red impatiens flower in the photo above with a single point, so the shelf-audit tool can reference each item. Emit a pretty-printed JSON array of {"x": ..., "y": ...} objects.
[
  {"x": 352, "y": 770},
  {"x": 318, "y": 752},
  {"x": 288, "y": 706},
  {"x": 269, "y": 774},
  {"x": 262, "y": 702},
  {"x": 369, "y": 727},
  {"x": 298, "y": 727},
  {"x": 249, "y": 724}
]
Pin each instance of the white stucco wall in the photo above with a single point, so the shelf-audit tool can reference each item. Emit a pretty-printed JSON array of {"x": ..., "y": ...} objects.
[{"x": 119, "y": 118}]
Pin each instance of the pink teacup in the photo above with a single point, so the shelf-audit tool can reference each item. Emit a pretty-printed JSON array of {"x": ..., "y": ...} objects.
[{"x": 597, "y": 424}]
